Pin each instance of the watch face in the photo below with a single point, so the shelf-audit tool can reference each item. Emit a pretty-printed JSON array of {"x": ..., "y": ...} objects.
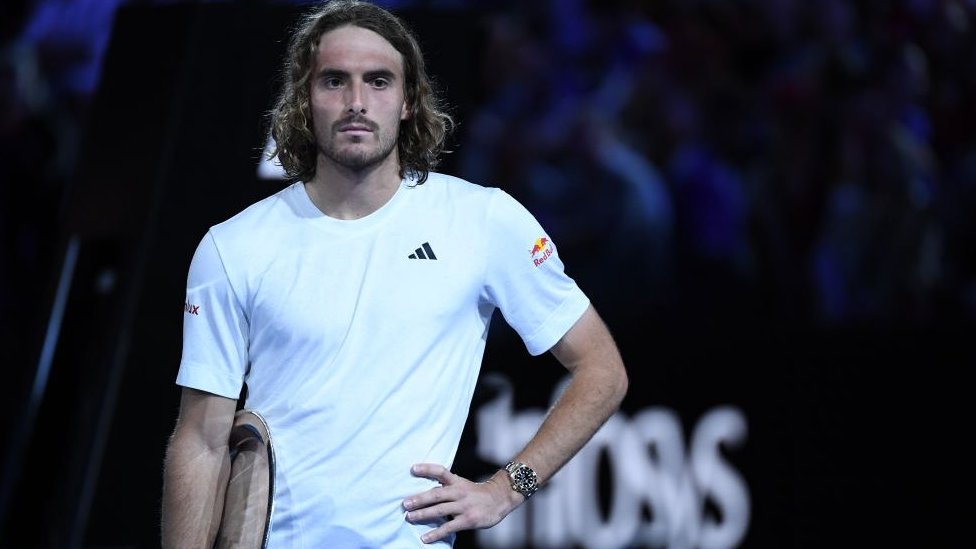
[{"x": 524, "y": 479}]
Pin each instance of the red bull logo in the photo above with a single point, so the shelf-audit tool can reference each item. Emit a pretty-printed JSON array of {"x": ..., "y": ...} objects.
[{"x": 541, "y": 251}]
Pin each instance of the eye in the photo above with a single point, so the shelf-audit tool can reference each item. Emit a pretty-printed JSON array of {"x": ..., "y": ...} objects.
[
  {"x": 380, "y": 83},
  {"x": 332, "y": 82}
]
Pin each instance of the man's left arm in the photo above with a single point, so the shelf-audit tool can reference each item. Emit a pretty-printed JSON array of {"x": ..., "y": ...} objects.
[{"x": 597, "y": 386}]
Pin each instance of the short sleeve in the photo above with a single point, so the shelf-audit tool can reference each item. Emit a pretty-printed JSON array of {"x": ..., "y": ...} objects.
[
  {"x": 525, "y": 277},
  {"x": 214, "y": 327}
]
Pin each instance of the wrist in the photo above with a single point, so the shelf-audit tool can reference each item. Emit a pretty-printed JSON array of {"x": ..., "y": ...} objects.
[{"x": 504, "y": 487}]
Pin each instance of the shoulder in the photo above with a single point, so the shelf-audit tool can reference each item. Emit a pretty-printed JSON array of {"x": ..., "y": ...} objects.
[
  {"x": 259, "y": 223},
  {"x": 454, "y": 191},
  {"x": 491, "y": 204},
  {"x": 443, "y": 181},
  {"x": 274, "y": 209}
]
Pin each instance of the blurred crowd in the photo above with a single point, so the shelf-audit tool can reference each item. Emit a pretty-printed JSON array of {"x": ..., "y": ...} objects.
[
  {"x": 771, "y": 160},
  {"x": 762, "y": 159}
]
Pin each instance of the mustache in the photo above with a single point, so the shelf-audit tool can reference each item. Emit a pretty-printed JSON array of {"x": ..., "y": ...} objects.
[{"x": 357, "y": 120}]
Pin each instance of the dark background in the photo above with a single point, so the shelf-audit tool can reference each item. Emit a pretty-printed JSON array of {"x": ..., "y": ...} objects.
[{"x": 771, "y": 204}]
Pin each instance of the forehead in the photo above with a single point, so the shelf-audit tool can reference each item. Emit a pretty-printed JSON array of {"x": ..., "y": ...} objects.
[{"x": 352, "y": 49}]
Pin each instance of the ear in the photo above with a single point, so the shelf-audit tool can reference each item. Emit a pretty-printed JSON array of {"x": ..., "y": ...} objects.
[{"x": 405, "y": 111}]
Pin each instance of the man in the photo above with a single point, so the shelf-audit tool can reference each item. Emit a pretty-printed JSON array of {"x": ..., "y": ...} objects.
[{"x": 355, "y": 304}]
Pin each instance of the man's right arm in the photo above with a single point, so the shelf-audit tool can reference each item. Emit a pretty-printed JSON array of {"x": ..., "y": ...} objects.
[{"x": 196, "y": 469}]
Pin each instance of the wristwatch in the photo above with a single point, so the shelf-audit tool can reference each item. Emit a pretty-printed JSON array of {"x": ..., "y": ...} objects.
[{"x": 523, "y": 478}]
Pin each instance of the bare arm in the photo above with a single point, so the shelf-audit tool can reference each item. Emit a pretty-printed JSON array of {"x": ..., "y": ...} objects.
[
  {"x": 598, "y": 385},
  {"x": 196, "y": 469}
]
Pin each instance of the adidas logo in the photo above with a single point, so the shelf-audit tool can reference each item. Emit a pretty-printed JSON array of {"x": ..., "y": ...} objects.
[{"x": 423, "y": 252}]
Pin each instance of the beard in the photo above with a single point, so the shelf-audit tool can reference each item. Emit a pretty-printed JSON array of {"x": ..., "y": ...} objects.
[{"x": 360, "y": 154}]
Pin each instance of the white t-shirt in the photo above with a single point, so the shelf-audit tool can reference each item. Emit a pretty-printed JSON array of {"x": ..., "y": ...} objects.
[{"x": 361, "y": 340}]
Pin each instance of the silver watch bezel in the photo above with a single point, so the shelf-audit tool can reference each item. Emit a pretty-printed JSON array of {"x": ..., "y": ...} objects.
[{"x": 523, "y": 478}]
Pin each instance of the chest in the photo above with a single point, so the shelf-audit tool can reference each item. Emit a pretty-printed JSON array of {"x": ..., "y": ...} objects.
[{"x": 318, "y": 289}]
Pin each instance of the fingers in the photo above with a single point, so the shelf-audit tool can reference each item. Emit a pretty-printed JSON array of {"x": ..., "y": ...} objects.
[
  {"x": 434, "y": 471},
  {"x": 425, "y": 514},
  {"x": 452, "y": 511},
  {"x": 466, "y": 505},
  {"x": 435, "y": 503},
  {"x": 459, "y": 517},
  {"x": 434, "y": 495},
  {"x": 440, "y": 532},
  {"x": 427, "y": 499}
]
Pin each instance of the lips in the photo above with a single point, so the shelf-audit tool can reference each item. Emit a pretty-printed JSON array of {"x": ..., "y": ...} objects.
[{"x": 355, "y": 125}]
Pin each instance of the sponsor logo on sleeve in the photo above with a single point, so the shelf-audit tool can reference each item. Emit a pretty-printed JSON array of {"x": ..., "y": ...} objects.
[
  {"x": 541, "y": 251},
  {"x": 190, "y": 308}
]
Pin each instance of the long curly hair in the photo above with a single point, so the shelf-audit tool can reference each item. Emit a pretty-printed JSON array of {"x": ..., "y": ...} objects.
[{"x": 421, "y": 137}]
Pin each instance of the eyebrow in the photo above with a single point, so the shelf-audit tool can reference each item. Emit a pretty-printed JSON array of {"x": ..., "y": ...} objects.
[{"x": 368, "y": 75}]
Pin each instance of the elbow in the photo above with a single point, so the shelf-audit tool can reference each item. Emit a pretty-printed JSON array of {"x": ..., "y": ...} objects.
[
  {"x": 621, "y": 384},
  {"x": 613, "y": 384}
]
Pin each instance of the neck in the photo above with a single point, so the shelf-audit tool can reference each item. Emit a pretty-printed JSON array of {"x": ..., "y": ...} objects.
[{"x": 342, "y": 193}]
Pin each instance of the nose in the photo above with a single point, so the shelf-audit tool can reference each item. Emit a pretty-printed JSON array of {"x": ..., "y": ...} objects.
[{"x": 356, "y": 100}]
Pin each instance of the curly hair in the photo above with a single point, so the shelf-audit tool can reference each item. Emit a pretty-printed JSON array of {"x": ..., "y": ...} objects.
[{"x": 421, "y": 137}]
